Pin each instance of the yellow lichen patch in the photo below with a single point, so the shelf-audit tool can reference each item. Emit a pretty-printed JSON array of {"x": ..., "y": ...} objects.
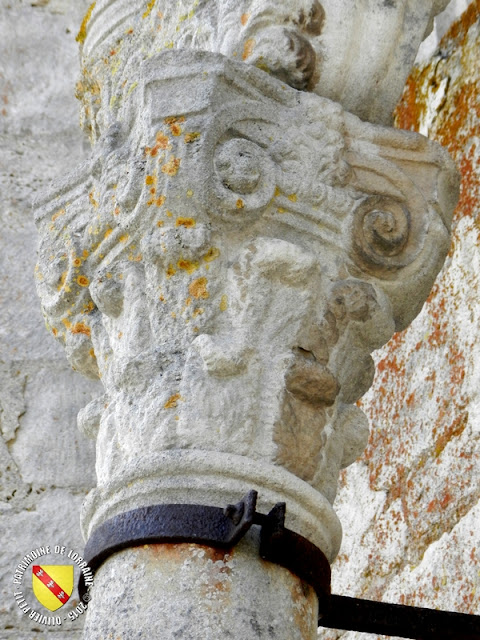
[
  {"x": 171, "y": 403},
  {"x": 77, "y": 262},
  {"x": 187, "y": 265},
  {"x": 66, "y": 322},
  {"x": 83, "y": 281},
  {"x": 239, "y": 204},
  {"x": 198, "y": 288},
  {"x": 212, "y": 254},
  {"x": 281, "y": 210},
  {"x": 54, "y": 331},
  {"x": 171, "y": 271},
  {"x": 191, "y": 136},
  {"x": 171, "y": 167},
  {"x": 185, "y": 222},
  {"x": 107, "y": 232},
  {"x": 160, "y": 223},
  {"x": 292, "y": 197},
  {"x": 189, "y": 193},
  {"x": 93, "y": 202},
  {"x": 123, "y": 238},
  {"x": 89, "y": 307},
  {"x": 149, "y": 8},
  {"x": 82, "y": 34},
  {"x": 132, "y": 87},
  {"x": 91, "y": 353},
  {"x": 85, "y": 253},
  {"x": 244, "y": 18},
  {"x": 224, "y": 303},
  {"x": 173, "y": 314},
  {"x": 248, "y": 48},
  {"x": 197, "y": 312},
  {"x": 160, "y": 201},
  {"x": 169, "y": 214},
  {"x": 153, "y": 191},
  {"x": 59, "y": 213},
  {"x": 150, "y": 180},
  {"x": 188, "y": 302},
  {"x": 277, "y": 192},
  {"x": 81, "y": 327}
]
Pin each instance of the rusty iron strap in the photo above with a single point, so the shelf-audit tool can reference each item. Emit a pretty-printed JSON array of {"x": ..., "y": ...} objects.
[
  {"x": 416, "y": 623},
  {"x": 215, "y": 527}
]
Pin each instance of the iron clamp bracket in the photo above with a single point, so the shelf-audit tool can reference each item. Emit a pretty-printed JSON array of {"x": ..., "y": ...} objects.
[{"x": 214, "y": 527}]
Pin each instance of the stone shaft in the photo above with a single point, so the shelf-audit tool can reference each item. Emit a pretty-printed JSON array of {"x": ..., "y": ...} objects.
[{"x": 173, "y": 591}]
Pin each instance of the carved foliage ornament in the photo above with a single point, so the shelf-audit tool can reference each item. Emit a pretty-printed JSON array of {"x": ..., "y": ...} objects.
[{"x": 227, "y": 261}]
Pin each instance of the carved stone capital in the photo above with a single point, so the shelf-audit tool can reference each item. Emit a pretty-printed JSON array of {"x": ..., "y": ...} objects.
[{"x": 225, "y": 263}]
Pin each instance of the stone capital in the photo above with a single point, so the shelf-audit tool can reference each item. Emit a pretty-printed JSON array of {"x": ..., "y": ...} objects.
[{"x": 227, "y": 260}]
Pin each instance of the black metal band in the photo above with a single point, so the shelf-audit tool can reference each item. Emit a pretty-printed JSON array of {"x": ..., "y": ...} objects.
[
  {"x": 214, "y": 527},
  {"x": 355, "y": 614},
  {"x": 224, "y": 528}
]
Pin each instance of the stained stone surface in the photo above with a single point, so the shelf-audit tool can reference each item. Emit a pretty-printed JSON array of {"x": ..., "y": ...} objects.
[
  {"x": 189, "y": 591},
  {"x": 410, "y": 506},
  {"x": 46, "y": 465}
]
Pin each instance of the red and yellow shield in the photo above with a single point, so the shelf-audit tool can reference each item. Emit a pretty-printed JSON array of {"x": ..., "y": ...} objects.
[{"x": 52, "y": 584}]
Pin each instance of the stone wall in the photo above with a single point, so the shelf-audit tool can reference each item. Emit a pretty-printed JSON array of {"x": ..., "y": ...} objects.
[
  {"x": 46, "y": 466},
  {"x": 410, "y": 506}
]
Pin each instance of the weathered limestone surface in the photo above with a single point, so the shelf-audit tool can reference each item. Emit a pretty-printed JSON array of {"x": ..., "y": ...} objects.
[
  {"x": 410, "y": 508},
  {"x": 46, "y": 465}
]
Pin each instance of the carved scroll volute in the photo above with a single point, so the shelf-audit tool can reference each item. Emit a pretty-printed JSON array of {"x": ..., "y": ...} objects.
[{"x": 400, "y": 229}]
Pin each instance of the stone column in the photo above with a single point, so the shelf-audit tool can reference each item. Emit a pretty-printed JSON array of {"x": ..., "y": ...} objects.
[{"x": 226, "y": 262}]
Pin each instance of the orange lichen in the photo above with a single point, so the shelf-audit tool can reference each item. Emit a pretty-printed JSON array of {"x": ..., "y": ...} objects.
[
  {"x": 81, "y": 327},
  {"x": 83, "y": 281},
  {"x": 92, "y": 199},
  {"x": 176, "y": 129},
  {"x": 59, "y": 213},
  {"x": 173, "y": 119},
  {"x": 187, "y": 265},
  {"x": 82, "y": 34},
  {"x": 248, "y": 48},
  {"x": 198, "y": 288},
  {"x": 149, "y": 8},
  {"x": 171, "y": 167},
  {"x": 191, "y": 136},
  {"x": 244, "y": 18},
  {"x": 212, "y": 254},
  {"x": 185, "y": 222},
  {"x": 171, "y": 271}
]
